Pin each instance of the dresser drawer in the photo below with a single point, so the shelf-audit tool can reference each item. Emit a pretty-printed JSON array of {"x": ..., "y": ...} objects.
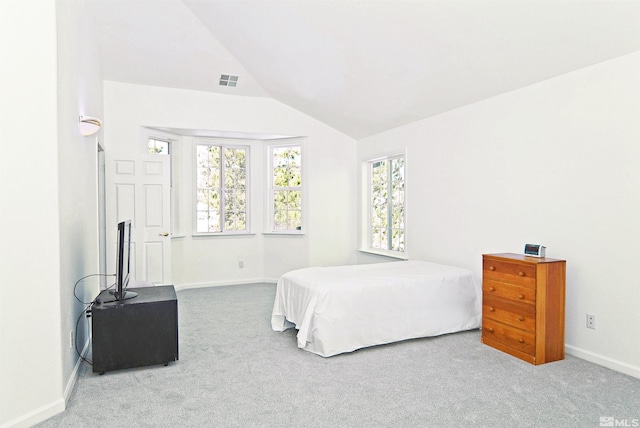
[
  {"x": 518, "y": 293},
  {"x": 515, "y": 317},
  {"x": 515, "y": 273},
  {"x": 516, "y": 338}
]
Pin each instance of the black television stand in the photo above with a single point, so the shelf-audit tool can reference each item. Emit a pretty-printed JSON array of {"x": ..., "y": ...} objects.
[{"x": 135, "y": 332}]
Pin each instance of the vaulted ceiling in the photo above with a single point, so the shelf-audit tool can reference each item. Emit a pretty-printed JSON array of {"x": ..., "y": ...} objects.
[{"x": 360, "y": 66}]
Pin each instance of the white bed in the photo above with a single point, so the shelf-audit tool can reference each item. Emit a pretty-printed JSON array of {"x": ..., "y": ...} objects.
[{"x": 344, "y": 308}]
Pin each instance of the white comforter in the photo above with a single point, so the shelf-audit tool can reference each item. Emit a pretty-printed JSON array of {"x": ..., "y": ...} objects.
[{"x": 344, "y": 308}]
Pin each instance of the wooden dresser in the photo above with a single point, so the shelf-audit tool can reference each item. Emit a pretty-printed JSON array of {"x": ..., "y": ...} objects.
[{"x": 523, "y": 302}]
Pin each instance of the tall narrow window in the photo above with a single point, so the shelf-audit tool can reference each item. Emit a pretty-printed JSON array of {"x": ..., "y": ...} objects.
[
  {"x": 286, "y": 188},
  {"x": 221, "y": 188},
  {"x": 387, "y": 204}
]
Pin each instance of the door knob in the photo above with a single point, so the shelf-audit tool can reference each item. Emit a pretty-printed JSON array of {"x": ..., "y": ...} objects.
[{"x": 163, "y": 234}]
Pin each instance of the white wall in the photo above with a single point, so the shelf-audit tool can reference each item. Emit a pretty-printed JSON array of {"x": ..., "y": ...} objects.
[
  {"x": 30, "y": 365},
  {"x": 79, "y": 93},
  {"x": 556, "y": 163},
  {"x": 330, "y": 162},
  {"x": 50, "y": 77}
]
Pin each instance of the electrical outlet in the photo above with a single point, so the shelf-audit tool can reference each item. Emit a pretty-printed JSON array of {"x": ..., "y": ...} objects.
[
  {"x": 591, "y": 321},
  {"x": 241, "y": 265},
  {"x": 71, "y": 339}
]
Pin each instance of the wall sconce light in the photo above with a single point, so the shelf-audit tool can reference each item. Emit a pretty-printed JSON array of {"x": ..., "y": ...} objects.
[{"x": 89, "y": 125}]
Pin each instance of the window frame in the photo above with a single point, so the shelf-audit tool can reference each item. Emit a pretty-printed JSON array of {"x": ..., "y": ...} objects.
[
  {"x": 270, "y": 189},
  {"x": 223, "y": 144},
  {"x": 367, "y": 211}
]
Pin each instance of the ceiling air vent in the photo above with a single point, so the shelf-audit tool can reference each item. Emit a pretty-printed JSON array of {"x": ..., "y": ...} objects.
[{"x": 228, "y": 80}]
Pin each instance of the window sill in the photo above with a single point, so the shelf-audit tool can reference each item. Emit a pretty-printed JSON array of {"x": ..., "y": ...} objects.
[
  {"x": 390, "y": 254},
  {"x": 284, "y": 233},
  {"x": 222, "y": 235}
]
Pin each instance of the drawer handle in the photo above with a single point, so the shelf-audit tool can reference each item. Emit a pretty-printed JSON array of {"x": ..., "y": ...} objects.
[
  {"x": 521, "y": 296},
  {"x": 492, "y": 289},
  {"x": 492, "y": 309},
  {"x": 520, "y": 318},
  {"x": 492, "y": 268},
  {"x": 521, "y": 340},
  {"x": 521, "y": 273},
  {"x": 490, "y": 329}
]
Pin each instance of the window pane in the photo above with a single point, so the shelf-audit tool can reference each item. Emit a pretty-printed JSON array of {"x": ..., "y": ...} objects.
[
  {"x": 214, "y": 223},
  {"x": 286, "y": 164},
  {"x": 241, "y": 220},
  {"x": 230, "y": 179},
  {"x": 379, "y": 174},
  {"x": 294, "y": 220},
  {"x": 206, "y": 222},
  {"x": 240, "y": 197},
  {"x": 202, "y": 198},
  {"x": 158, "y": 147},
  {"x": 241, "y": 176},
  {"x": 397, "y": 218},
  {"x": 280, "y": 220},
  {"x": 201, "y": 221},
  {"x": 397, "y": 170},
  {"x": 294, "y": 200},
  {"x": 208, "y": 178},
  {"x": 241, "y": 158},
  {"x": 230, "y": 222},
  {"x": 229, "y": 203},
  {"x": 375, "y": 237},
  {"x": 229, "y": 157},
  {"x": 235, "y": 157},
  {"x": 398, "y": 240},
  {"x": 379, "y": 219},
  {"x": 280, "y": 200},
  {"x": 279, "y": 157},
  {"x": 208, "y": 156},
  {"x": 280, "y": 177},
  {"x": 383, "y": 238},
  {"x": 220, "y": 189},
  {"x": 295, "y": 177},
  {"x": 387, "y": 197},
  {"x": 296, "y": 156}
]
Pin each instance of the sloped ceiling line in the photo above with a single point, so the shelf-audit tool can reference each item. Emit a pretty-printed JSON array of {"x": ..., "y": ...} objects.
[{"x": 365, "y": 66}]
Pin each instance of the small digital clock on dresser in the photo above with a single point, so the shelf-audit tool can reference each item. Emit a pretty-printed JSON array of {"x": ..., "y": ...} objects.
[{"x": 523, "y": 301}]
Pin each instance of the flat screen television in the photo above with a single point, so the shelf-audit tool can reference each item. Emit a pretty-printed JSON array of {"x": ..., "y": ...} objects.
[{"x": 123, "y": 260}]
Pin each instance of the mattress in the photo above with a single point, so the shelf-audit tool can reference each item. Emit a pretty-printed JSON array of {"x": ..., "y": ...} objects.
[{"x": 344, "y": 308}]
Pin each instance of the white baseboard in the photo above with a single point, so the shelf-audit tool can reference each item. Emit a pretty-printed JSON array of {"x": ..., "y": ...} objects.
[
  {"x": 74, "y": 375},
  {"x": 601, "y": 360},
  {"x": 58, "y": 406},
  {"x": 179, "y": 287},
  {"x": 38, "y": 415}
]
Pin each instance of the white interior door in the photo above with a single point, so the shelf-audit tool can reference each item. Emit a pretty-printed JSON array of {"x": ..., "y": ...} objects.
[{"x": 138, "y": 188}]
